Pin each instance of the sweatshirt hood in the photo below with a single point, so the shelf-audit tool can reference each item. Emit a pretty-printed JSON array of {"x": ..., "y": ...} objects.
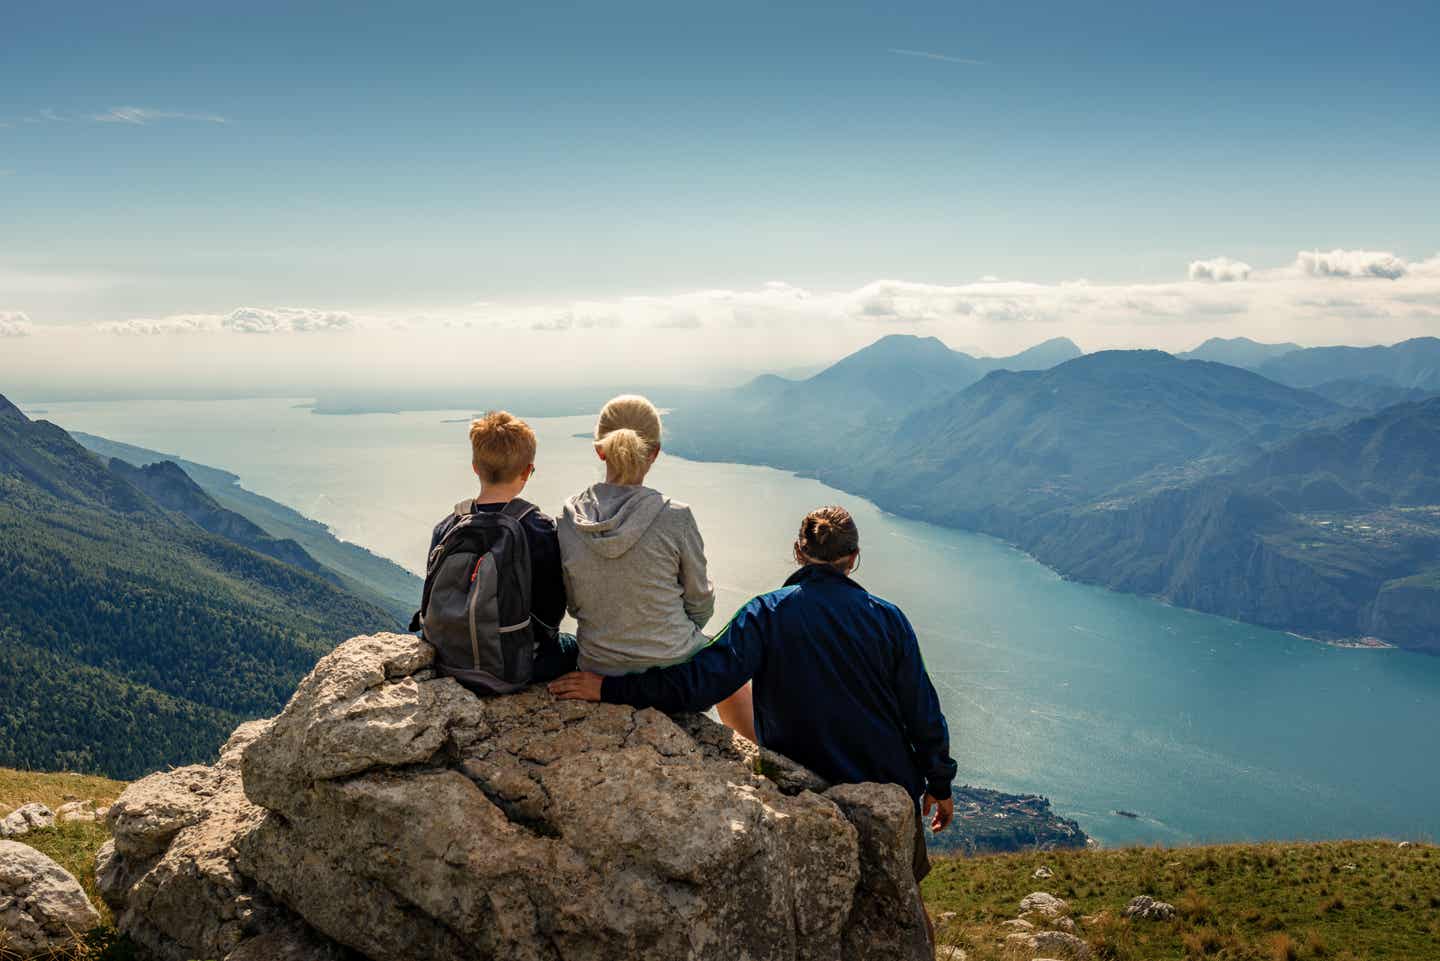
[{"x": 611, "y": 518}]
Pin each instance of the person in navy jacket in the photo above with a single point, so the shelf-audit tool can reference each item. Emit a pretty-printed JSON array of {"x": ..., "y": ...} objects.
[{"x": 839, "y": 683}]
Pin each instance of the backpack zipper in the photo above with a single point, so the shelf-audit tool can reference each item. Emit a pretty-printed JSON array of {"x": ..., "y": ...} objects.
[{"x": 470, "y": 612}]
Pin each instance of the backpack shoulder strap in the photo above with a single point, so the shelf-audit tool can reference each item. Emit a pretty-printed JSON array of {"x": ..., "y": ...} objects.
[
  {"x": 465, "y": 507},
  {"x": 518, "y": 508}
]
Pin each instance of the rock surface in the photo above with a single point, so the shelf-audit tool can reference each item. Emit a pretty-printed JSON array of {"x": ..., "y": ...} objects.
[
  {"x": 1148, "y": 908},
  {"x": 42, "y": 907},
  {"x": 391, "y": 813},
  {"x": 26, "y": 818},
  {"x": 1044, "y": 904},
  {"x": 79, "y": 811}
]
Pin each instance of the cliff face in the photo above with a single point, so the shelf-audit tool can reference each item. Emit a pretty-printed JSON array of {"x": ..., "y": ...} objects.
[
  {"x": 390, "y": 814},
  {"x": 1409, "y": 609}
]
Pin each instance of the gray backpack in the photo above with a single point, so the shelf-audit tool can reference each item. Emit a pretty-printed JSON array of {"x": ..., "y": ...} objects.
[{"x": 475, "y": 610}]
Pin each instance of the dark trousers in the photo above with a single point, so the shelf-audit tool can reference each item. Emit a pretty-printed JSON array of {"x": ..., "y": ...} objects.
[{"x": 555, "y": 656}]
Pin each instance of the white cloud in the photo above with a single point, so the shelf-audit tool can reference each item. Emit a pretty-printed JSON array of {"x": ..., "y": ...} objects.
[
  {"x": 139, "y": 116},
  {"x": 578, "y": 317},
  {"x": 177, "y": 324},
  {"x": 276, "y": 320},
  {"x": 14, "y": 323},
  {"x": 1220, "y": 269},
  {"x": 1351, "y": 263}
]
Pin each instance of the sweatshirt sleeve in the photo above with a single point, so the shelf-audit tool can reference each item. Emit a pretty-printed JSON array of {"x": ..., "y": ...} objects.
[
  {"x": 709, "y": 677},
  {"x": 925, "y": 725},
  {"x": 699, "y": 591}
]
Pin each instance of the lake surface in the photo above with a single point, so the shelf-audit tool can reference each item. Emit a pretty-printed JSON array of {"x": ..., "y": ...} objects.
[{"x": 1210, "y": 730}]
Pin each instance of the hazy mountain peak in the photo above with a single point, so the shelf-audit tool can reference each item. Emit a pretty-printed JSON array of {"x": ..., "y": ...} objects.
[
  {"x": 904, "y": 346},
  {"x": 8, "y": 409},
  {"x": 1238, "y": 351}
]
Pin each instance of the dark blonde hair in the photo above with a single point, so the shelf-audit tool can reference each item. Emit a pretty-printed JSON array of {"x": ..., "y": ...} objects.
[
  {"x": 628, "y": 432},
  {"x": 828, "y": 535},
  {"x": 501, "y": 446}
]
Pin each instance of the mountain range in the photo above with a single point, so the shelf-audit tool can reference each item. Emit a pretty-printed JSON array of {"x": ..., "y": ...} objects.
[
  {"x": 869, "y": 391},
  {"x": 141, "y": 620},
  {"x": 1207, "y": 484}
]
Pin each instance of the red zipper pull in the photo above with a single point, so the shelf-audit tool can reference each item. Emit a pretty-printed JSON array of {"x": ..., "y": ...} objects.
[{"x": 476, "y": 573}]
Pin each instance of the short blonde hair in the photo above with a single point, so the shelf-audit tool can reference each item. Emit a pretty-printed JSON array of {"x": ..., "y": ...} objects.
[
  {"x": 502, "y": 446},
  {"x": 628, "y": 433}
]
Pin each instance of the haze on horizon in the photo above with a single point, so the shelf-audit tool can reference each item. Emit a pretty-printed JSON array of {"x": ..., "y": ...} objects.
[{"x": 277, "y": 200}]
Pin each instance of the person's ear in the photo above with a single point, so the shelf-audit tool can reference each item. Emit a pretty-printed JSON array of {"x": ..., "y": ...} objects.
[
  {"x": 852, "y": 563},
  {"x": 599, "y": 452},
  {"x": 655, "y": 454}
]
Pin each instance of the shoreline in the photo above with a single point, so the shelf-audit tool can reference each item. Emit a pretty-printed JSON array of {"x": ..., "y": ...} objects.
[{"x": 1366, "y": 643}]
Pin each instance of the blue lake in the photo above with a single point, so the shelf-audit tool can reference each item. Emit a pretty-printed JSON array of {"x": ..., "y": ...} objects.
[{"x": 1208, "y": 729}]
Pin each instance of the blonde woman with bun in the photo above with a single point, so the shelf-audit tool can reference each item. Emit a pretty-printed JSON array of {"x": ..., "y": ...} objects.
[{"x": 634, "y": 562}]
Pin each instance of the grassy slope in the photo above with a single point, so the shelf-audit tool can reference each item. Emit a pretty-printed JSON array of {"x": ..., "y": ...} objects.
[
  {"x": 73, "y": 846},
  {"x": 1267, "y": 902},
  {"x": 1345, "y": 900}
]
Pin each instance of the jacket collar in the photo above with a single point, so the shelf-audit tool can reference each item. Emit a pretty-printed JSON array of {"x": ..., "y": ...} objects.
[{"x": 817, "y": 573}]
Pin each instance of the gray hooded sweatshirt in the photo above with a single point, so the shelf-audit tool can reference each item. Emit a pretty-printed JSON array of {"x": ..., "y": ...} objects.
[{"x": 635, "y": 578}]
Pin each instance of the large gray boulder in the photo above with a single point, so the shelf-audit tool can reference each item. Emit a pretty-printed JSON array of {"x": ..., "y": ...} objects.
[
  {"x": 169, "y": 873},
  {"x": 42, "y": 907},
  {"x": 390, "y": 813}
]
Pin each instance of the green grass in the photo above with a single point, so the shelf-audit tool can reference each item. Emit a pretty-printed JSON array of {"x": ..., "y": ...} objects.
[
  {"x": 71, "y": 845},
  {"x": 1267, "y": 902}
]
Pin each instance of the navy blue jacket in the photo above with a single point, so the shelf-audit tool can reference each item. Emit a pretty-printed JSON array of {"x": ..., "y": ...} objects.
[{"x": 839, "y": 684}]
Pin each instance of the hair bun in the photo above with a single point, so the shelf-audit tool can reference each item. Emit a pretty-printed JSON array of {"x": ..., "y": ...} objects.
[{"x": 827, "y": 534}]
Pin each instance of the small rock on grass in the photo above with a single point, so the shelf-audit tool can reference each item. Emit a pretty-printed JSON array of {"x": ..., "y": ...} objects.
[
  {"x": 1148, "y": 908},
  {"x": 1060, "y": 942},
  {"x": 26, "y": 818},
  {"x": 77, "y": 811},
  {"x": 1044, "y": 904},
  {"x": 1043, "y": 873}
]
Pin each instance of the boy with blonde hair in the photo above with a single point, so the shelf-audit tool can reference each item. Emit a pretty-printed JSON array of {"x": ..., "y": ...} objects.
[{"x": 502, "y": 454}]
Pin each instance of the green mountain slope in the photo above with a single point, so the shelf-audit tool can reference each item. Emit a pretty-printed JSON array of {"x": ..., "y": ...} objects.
[
  {"x": 1211, "y": 486},
  {"x": 1018, "y": 444},
  {"x": 170, "y": 487},
  {"x": 1335, "y": 533},
  {"x": 103, "y": 586},
  {"x": 363, "y": 572}
]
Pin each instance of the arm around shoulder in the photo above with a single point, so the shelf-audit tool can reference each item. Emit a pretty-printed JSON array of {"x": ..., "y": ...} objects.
[{"x": 709, "y": 677}]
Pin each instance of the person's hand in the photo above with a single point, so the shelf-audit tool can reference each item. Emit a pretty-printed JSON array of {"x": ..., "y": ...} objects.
[
  {"x": 944, "y": 812},
  {"x": 577, "y": 686}
]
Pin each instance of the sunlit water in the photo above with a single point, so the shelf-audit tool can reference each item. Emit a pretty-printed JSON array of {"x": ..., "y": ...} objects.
[{"x": 1208, "y": 729}]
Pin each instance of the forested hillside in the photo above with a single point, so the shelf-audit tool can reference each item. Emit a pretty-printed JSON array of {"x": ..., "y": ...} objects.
[
  {"x": 130, "y": 637},
  {"x": 1209, "y": 485},
  {"x": 361, "y": 571}
]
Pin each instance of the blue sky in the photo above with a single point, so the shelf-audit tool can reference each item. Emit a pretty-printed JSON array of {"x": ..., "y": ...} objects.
[{"x": 395, "y": 160}]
